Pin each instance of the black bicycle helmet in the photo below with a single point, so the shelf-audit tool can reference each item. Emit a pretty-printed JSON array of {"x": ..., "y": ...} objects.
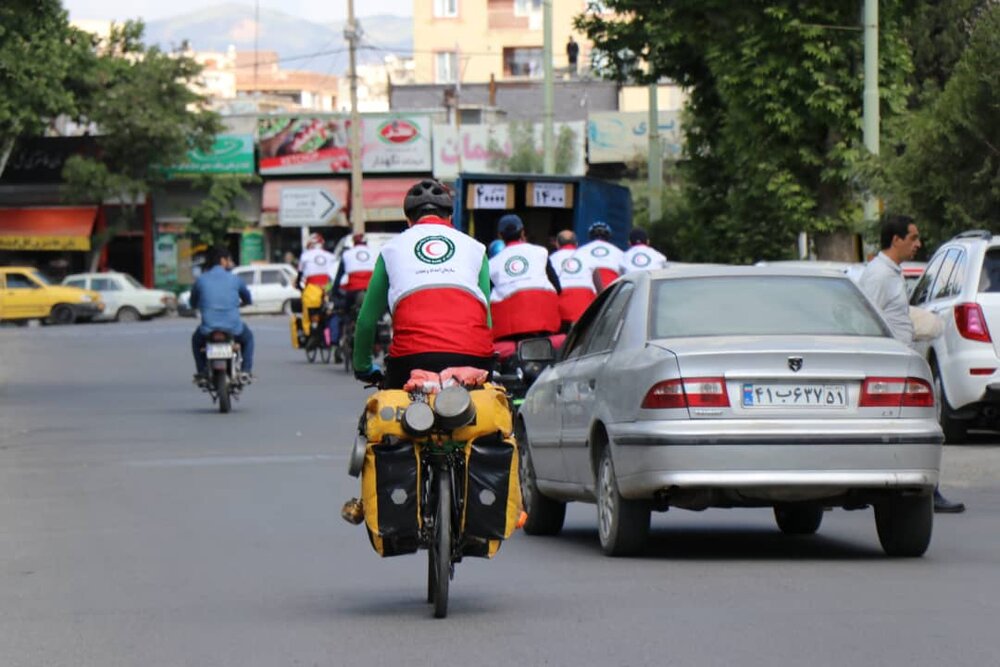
[
  {"x": 428, "y": 197},
  {"x": 599, "y": 230}
]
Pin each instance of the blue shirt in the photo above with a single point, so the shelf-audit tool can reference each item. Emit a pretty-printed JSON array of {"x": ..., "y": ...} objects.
[{"x": 218, "y": 294}]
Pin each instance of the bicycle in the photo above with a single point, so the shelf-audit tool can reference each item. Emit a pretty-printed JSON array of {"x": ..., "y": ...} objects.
[{"x": 414, "y": 454}]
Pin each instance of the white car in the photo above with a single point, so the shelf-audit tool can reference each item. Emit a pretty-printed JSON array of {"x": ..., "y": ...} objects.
[
  {"x": 125, "y": 298},
  {"x": 272, "y": 288},
  {"x": 962, "y": 284}
]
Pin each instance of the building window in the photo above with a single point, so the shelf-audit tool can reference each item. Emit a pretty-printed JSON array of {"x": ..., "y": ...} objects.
[
  {"x": 445, "y": 8},
  {"x": 446, "y": 67},
  {"x": 527, "y": 7},
  {"x": 522, "y": 61}
]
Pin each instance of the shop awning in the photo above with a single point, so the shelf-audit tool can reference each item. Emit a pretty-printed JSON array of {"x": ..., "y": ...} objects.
[
  {"x": 383, "y": 198},
  {"x": 57, "y": 228},
  {"x": 311, "y": 202}
]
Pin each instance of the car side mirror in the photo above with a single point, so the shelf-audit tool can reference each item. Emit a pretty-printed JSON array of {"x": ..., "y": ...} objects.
[{"x": 536, "y": 349}]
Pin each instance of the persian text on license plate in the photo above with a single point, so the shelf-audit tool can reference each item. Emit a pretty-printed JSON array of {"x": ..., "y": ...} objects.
[
  {"x": 794, "y": 395},
  {"x": 219, "y": 351}
]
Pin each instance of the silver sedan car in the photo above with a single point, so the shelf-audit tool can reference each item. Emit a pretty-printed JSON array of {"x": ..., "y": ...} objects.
[{"x": 720, "y": 386}]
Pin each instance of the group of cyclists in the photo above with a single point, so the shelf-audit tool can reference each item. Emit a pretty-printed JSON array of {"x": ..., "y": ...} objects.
[{"x": 451, "y": 300}]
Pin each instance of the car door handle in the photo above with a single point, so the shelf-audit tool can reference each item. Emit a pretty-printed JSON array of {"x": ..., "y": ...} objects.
[
  {"x": 558, "y": 390},
  {"x": 592, "y": 383}
]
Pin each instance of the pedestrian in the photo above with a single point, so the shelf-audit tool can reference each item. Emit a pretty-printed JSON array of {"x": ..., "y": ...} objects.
[
  {"x": 572, "y": 53},
  {"x": 883, "y": 283}
]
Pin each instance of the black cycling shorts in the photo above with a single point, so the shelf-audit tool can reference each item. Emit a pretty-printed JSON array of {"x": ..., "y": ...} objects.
[{"x": 397, "y": 369}]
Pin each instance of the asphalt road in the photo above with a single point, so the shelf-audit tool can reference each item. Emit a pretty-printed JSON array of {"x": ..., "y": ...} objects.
[{"x": 140, "y": 527}]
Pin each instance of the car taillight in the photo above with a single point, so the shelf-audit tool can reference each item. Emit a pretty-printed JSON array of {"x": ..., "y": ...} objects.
[
  {"x": 687, "y": 393},
  {"x": 971, "y": 322},
  {"x": 896, "y": 393}
]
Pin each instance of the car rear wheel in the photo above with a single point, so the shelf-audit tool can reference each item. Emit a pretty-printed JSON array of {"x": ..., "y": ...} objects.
[
  {"x": 955, "y": 430},
  {"x": 127, "y": 314},
  {"x": 286, "y": 307},
  {"x": 545, "y": 516},
  {"x": 622, "y": 524},
  {"x": 904, "y": 525},
  {"x": 798, "y": 519},
  {"x": 62, "y": 314}
]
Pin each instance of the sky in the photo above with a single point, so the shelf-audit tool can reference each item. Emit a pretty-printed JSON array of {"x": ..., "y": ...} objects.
[{"x": 319, "y": 11}]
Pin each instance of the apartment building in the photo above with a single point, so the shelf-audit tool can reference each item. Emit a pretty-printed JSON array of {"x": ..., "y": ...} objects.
[{"x": 468, "y": 41}]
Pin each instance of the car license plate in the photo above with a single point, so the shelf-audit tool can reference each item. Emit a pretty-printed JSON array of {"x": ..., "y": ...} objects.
[
  {"x": 759, "y": 395},
  {"x": 219, "y": 351}
]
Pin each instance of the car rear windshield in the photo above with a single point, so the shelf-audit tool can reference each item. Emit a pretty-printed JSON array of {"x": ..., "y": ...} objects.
[
  {"x": 989, "y": 280},
  {"x": 761, "y": 306}
]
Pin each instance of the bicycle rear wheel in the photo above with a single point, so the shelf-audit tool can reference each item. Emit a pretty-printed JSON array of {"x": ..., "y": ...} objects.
[{"x": 442, "y": 544}]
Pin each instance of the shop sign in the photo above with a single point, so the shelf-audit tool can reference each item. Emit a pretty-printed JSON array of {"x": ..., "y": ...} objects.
[
  {"x": 549, "y": 195},
  {"x": 478, "y": 149},
  {"x": 229, "y": 154},
  {"x": 165, "y": 261},
  {"x": 251, "y": 246},
  {"x": 306, "y": 207},
  {"x": 319, "y": 145},
  {"x": 619, "y": 136},
  {"x": 41, "y": 159},
  {"x": 497, "y": 196},
  {"x": 47, "y": 243}
]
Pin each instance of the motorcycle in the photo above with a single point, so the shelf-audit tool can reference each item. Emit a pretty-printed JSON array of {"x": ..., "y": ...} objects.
[
  {"x": 520, "y": 364},
  {"x": 439, "y": 472},
  {"x": 225, "y": 359}
]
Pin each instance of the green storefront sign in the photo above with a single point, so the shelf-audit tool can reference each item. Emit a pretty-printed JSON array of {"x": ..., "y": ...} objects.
[
  {"x": 251, "y": 246},
  {"x": 230, "y": 154}
]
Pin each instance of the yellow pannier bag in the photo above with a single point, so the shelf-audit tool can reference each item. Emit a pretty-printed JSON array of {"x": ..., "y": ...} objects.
[
  {"x": 492, "y": 489},
  {"x": 295, "y": 325},
  {"x": 492, "y": 414},
  {"x": 390, "y": 491},
  {"x": 383, "y": 414},
  {"x": 312, "y": 298}
]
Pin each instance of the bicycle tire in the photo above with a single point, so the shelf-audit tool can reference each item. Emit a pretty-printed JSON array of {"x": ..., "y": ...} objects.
[
  {"x": 442, "y": 544},
  {"x": 325, "y": 353}
]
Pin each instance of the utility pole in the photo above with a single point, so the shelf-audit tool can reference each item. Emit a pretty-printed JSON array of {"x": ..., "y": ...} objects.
[
  {"x": 352, "y": 33},
  {"x": 655, "y": 157},
  {"x": 548, "y": 134},
  {"x": 870, "y": 107}
]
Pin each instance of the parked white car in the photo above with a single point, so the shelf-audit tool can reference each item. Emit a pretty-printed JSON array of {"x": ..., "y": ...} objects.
[
  {"x": 962, "y": 284},
  {"x": 125, "y": 298},
  {"x": 272, "y": 288}
]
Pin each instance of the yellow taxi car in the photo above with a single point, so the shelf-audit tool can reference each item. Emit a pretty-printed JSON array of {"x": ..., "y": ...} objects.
[{"x": 25, "y": 294}]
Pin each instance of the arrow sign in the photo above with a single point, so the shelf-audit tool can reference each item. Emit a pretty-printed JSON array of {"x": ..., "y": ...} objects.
[{"x": 306, "y": 207}]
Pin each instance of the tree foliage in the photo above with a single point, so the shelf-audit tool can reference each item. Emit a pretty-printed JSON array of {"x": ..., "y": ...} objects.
[
  {"x": 945, "y": 169},
  {"x": 40, "y": 54},
  {"x": 526, "y": 155},
  {"x": 773, "y": 122},
  {"x": 216, "y": 214}
]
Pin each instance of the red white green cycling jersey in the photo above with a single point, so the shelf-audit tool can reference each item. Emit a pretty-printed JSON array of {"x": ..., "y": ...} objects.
[
  {"x": 641, "y": 257},
  {"x": 359, "y": 263},
  {"x": 523, "y": 299},
  {"x": 435, "y": 281},
  {"x": 602, "y": 258}
]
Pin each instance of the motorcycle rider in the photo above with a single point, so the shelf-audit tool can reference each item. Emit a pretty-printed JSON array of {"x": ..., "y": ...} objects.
[
  {"x": 315, "y": 265},
  {"x": 601, "y": 259},
  {"x": 355, "y": 271},
  {"x": 524, "y": 300},
  {"x": 218, "y": 294},
  {"x": 436, "y": 282},
  {"x": 640, "y": 256}
]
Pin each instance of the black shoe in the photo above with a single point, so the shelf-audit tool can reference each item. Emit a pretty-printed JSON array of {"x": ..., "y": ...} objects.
[
  {"x": 944, "y": 506},
  {"x": 200, "y": 379}
]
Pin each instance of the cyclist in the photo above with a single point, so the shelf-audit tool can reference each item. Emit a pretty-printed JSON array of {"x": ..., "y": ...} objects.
[
  {"x": 524, "y": 300},
  {"x": 218, "y": 294},
  {"x": 355, "y": 271},
  {"x": 435, "y": 280},
  {"x": 315, "y": 265},
  {"x": 639, "y": 256},
  {"x": 601, "y": 259}
]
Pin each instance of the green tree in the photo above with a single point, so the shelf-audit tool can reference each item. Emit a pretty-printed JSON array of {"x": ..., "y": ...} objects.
[
  {"x": 773, "y": 121},
  {"x": 40, "y": 54},
  {"x": 147, "y": 115},
  {"x": 216, "y": 214},
  {"x": 947, "y": 170},
  {"x": 526, "y": 156}
]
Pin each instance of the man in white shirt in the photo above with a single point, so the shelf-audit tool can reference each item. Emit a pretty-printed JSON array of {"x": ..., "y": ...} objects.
[{"x": 883, "y": 282}]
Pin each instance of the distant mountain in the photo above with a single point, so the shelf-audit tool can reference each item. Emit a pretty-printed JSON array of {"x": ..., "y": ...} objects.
[{"x": 301, "y": 44}]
